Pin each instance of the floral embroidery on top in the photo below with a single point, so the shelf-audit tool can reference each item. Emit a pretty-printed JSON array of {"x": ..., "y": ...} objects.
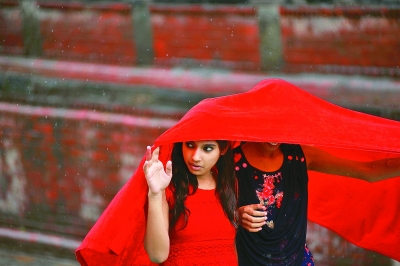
[{"x": 267, "y": 194}]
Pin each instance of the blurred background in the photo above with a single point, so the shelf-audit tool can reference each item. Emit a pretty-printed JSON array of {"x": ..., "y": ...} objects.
[{"x": 85, "y": 86}]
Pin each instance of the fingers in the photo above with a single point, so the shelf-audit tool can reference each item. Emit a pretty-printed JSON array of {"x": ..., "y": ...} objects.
[
  {"x": 249, "y": 221},
  {"x": 253, "y": 224},
  {"x": 168, "y": 168},
  {"x": 149, "y": 159},
  {"x": 145, "y": 167},
  {"x": 154, "y": 155},
  {"x": 253, "y": 227},
  {"x": 252, "y": 230},
  {"x": 257, "y": 214},
  {"x": 148, "y": 153},
  {"x": 256, "y": 210},
  {"x": 256, "y": 206},
  {"x": 152, "y": 161},
  {"x": 252, "y": 217}
]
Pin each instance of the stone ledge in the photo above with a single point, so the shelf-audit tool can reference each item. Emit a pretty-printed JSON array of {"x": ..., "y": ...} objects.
[{"x": 375, "y": 95}]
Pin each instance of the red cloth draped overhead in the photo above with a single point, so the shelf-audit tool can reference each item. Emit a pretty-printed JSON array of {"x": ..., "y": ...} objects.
[{"x": 366, "y": 214}]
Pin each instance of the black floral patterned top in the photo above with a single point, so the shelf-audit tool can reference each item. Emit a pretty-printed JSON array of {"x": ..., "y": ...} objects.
[{"x": 284, "y": 193}]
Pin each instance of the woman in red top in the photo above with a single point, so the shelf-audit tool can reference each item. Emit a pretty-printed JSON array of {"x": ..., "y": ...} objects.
[{"x": 191, "y": 205}]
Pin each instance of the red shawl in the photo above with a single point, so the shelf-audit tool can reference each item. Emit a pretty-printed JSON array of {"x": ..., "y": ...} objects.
[{"x": 366, "y": 214}]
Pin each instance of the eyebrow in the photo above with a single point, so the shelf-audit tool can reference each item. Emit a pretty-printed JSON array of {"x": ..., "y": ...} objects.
[{"x": 209, "y": 144}]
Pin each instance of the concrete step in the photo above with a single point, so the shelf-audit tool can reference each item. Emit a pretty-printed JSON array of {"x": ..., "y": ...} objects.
[{"x": 180, "y": 88}]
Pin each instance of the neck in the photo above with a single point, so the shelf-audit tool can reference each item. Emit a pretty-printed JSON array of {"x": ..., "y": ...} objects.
[
  {"x": 263, "y": 156},
  {"x": 206, "y": 182}
]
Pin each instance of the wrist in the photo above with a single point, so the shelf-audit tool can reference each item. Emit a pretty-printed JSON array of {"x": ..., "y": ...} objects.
[{"x": 155, "y": 196}]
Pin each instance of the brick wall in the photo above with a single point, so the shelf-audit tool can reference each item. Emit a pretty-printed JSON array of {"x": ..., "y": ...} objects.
[
  {"x": 353, "y": 40},
  {"x": 61, "y": 167},
  {"x": 94, "y": 33},
  {"x": 11, "y": 35},
  {"x": 216, "y": 36},
  {"x": 329, "y": 39}
]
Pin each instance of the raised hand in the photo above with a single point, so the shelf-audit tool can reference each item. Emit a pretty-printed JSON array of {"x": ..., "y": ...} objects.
[{"x": 157, "y": 178}]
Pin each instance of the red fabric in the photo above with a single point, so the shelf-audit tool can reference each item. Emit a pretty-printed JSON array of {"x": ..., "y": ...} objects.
[
  {"x": 365, "y": 214},
  {"x": 207, "y": 220}
]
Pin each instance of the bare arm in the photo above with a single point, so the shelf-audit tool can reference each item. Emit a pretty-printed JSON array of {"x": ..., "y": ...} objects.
[
  {"x": 156, "y": 240},
  {"x": 321, "y": 161}
]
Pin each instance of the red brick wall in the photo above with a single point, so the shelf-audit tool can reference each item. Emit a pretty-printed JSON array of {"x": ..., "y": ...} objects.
[
  {"x": 11, "y": 36},
  {"x": 59, "y": 168},
  {"x": 345, "y": 40},
  {"x": 349, "y": 37},
  {"x": 88, "y": 32},
  {"x": 224, "y": 36}
]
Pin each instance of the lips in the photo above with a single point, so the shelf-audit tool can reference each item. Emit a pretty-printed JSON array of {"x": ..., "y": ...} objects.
[{"x": 195, "y": 167}]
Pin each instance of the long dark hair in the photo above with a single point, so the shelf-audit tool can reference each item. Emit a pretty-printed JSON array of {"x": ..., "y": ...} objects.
[{"x": 185, "y": 183}]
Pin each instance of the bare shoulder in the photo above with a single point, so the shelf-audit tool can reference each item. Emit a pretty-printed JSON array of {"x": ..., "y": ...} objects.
[
  {"x": 310, "y": 152},
  {"x": 316, "y": 156}
]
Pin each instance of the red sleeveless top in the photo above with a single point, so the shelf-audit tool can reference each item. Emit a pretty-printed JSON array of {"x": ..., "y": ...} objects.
[{"x": 208, "y": 238}]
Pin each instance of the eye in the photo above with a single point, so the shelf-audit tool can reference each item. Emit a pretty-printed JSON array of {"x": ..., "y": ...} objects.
[
  {"x": 208, "y": 148},
  {"x": 189, "y": 144}
]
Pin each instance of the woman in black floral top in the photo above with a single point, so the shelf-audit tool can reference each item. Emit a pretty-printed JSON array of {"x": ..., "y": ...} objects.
[{"x": 272, "y": 180}]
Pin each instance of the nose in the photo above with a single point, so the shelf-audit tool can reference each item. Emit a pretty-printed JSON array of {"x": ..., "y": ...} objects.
[{"x": 196, "y": 155}]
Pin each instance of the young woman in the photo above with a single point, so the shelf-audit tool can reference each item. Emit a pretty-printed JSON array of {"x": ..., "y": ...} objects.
[
  {"x": 191, "y": 205},
  {"x": 272, "y": 181}
]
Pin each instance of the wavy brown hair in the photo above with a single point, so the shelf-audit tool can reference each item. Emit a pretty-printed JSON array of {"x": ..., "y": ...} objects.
[{"x": 184, "y": 183}]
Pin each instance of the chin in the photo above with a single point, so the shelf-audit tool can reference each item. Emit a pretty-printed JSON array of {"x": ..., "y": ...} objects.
[{"x": 272, "y": 145}]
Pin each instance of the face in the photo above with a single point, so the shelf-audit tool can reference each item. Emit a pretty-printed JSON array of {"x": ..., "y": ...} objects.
[{"x": 200, "y": 156}]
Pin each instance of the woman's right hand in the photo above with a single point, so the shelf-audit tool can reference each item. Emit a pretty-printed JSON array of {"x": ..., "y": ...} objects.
[
  {"x": 252, "y": 217},
  {"x": 157, "y": 178}
]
